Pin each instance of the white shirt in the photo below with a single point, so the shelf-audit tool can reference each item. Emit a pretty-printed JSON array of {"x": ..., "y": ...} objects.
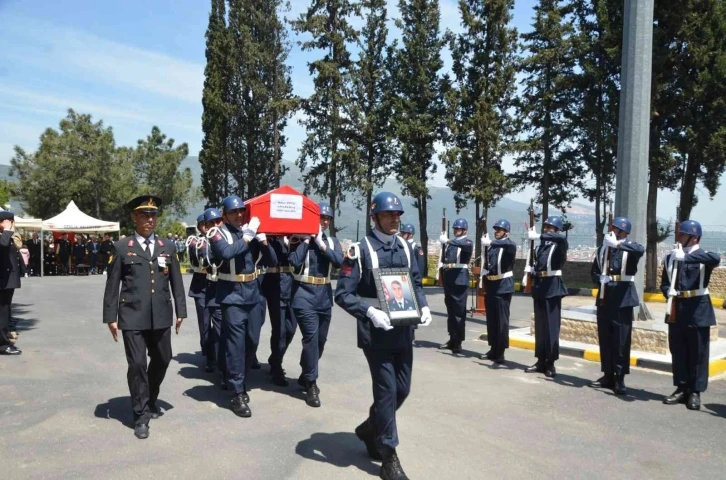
[{"x": 141, "y": 240}]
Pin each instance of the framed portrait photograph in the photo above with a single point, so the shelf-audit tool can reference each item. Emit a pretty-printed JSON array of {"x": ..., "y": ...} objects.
[{"x": 396, "y": 296}]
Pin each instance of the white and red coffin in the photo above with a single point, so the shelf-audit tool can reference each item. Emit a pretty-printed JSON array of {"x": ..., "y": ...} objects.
[{"x": 284, "y": 211}]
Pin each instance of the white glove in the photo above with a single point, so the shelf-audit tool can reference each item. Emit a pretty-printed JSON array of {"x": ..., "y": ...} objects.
[
  {"x": 484, "y": 272},
  {"x": 379, "y": 318},
  {"x": 611, "y": 240},
  {"x": 426, "y": 317},
  {"x": 532, "y": 234},
  {"x": 485, "y": 240},
  {"x": 319, "y": 241},
  {"x": 440, "y": 266},
  {"x": 254, "y": 224},
  {"x": 605, "y": 279},
  {"x": 247, "y": 238},
  {"x": 261, "y": 237},
  {"x": 286, "y": 240},
  {"x": 527, "y": 269},
  {"x": 672, "y": 293},
  {"x": 443, "y": 238},
  {"x": 678, "y": 253}
]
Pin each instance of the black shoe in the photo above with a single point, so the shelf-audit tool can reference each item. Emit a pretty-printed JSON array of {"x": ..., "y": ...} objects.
[
  {"x": 391, "y": 468},
  {"x": 448, "y": 345},
  {"x": 694, "y": 401},
  {"x": 312, "y": 395},
  {"x": 246, "y": 397},
  {"x": 365, "y": 434},
  {"x": 499, "y": 360},
  {"x": 550, "y": 371},
  {"x": 487, "y": 356},
  {"x": 536, "y": 368},
  {"x": 605, "y": 381},
  {"x": 277, "y": 377},
  {"x": 456, "y": 347},
  {"x": 209, "y": 368},
  {"x": 619, "y": 387},
  {"x": 679, "y": 396},
  {"x": 141, "y": 431},
  {"x": 240, "y": 407},
  {"x": 155, "y": 411},
  {"x": 10, "y": 350}
]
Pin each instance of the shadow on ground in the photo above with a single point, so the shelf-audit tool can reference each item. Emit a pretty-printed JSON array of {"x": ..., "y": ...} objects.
[
  {"x": 18, "y": 322},
  {"x": 119, "y": 409},
  {"x": 341, "y": 449}
]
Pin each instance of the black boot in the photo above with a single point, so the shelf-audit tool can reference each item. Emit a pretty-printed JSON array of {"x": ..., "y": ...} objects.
[
  {"x": 391, "y": 468},
  {"x": 679, "y": 396},
  {"x": 448, "y": 345},
  {"x": 619, "y": 387},
  {"x": 277, "y": 376},
  {"x": 606, "y": 381},
  {"x": 456, "y": 347},
  {"x": 240, "y": 407},
  {"x": 538, "y": 367},
  {"x": 487, "y": 356},
  {"x": 365, "y": 434},
  {"x": 312, "y": 395},
  {"x": 550, "y": 371},
  {"x": 694, "y": 401}
]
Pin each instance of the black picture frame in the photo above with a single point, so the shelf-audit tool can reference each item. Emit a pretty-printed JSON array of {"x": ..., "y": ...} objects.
[{"x": 385, "y": 280}]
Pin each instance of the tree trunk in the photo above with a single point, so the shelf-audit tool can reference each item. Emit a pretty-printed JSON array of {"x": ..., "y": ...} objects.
[
  {"x": 276, "y": 148},
  {"x": 651, "y": 256},
  {"x": 477, "y": 227},
  {"x": 369, "y": 189},
  {"x": 688, "y": 187},
  {"x": 422, "y": 219},
  {"x": 599, "y": 220}
]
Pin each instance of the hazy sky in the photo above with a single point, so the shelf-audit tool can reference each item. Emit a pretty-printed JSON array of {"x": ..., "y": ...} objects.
[{"x": 139, "y": 63}]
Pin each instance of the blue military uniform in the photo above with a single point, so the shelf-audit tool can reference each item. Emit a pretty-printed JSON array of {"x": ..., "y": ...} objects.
[
  {"x": 389, "y": 352},
  {"x": 457, "y": 253},
  {"x": 689, "y": 336},
  {"x": 238, "y": 294},
  {"x": 213, "y": 310},
  {"x": 499, "y": 287},
  {"x": 197, "y": 250},
  {"x": 547, "y": 292},
  {"x": 277, "y": 286},
  {"x": 615, "y": 312},
  {"x": 312, "y": 299}
]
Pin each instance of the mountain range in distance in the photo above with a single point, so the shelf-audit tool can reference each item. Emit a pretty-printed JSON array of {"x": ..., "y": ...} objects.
[{"x": 351, "y": 219}]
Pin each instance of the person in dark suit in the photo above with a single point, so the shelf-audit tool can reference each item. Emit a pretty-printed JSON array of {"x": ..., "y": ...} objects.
[
  {"x": 107, "y": 249},
  {"x": 547, "y": 292},
  {"x": 93, "y": 247},
  {"x": 63, "y": 251},
  {"x": 457, "y": 253},
  {"x": 9, "y": 280},
  {"x": 145, "y": 267},
  {"x": 689, "y": 332},
  {"x": 614, "y": 268},
  {"x": 34, "y": 246},
  {"x": 499, "y": 287},
  {"x": 79, "y": 251},
  {"x": 399, "y": 303}
]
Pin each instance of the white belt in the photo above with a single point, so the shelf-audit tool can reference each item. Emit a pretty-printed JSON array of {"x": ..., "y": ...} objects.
[
  {"x": 242, "y": 278},
  {"x": 553, "y": 273},
  {"x": 455, "y": 265},
  {"x": 504, "y": 275},
  {"x": 693, "y": 293}
]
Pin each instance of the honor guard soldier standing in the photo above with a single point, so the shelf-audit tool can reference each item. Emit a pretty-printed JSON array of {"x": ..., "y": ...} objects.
[
  {"x": 145, "y": 266},
  {"x": 689, "y": 332},
  {"x": 197, "y": 248},
  {"x": 614, "y": 269},
  {"x": 499, "y": 283},
  {"x": 388, "y": 349},
  {"x": 312, "y": 298},
  {"x": 9, "y": 280},
  {"x": 455, "y": 263},
  {"x": 407, "y": 233},
  {"x": 277, "y": 286},
  {"x": 547, "y": 292},
  {"x": 238, "y": 293},
  {"x": 215, "y": 345}
]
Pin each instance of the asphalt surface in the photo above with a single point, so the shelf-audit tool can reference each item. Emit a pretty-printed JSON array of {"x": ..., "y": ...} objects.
[{"x": 65, "y": 410}]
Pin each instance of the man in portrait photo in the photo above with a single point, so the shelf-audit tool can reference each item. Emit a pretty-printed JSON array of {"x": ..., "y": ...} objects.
[{"x": 399, "y": 303}]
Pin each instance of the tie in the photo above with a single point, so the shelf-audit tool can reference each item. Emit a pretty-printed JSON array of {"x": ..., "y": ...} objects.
[
  {"x": 400, "y": 305},
  {"x": 146, "y": 244}
]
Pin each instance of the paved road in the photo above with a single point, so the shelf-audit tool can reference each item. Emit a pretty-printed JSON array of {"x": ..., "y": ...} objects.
[{"x": 64, "y": 410}]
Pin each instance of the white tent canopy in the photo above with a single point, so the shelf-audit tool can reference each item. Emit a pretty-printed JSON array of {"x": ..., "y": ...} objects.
[{"x": 72, "y": 219}]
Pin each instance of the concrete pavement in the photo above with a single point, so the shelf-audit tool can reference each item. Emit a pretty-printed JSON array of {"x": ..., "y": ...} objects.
[{"x": 65, "y": 412}]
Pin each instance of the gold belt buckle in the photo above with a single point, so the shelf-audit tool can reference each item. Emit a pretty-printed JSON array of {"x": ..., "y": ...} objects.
[
  {"x": 615, "y": 278},
  {"x": 687, "y": 294}
]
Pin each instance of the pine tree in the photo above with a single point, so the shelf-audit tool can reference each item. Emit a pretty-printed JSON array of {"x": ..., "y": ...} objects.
[
  {"x": 482, "y": 128},
  {"x": 326, "y": 159},
  {"x": 371, "y": 105},
  {"x": 419, "y": 108},
  {"x": 546, "y": 110},
  {"x": 598, "y": 50},
  {"x": 215, "y": 156}
]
